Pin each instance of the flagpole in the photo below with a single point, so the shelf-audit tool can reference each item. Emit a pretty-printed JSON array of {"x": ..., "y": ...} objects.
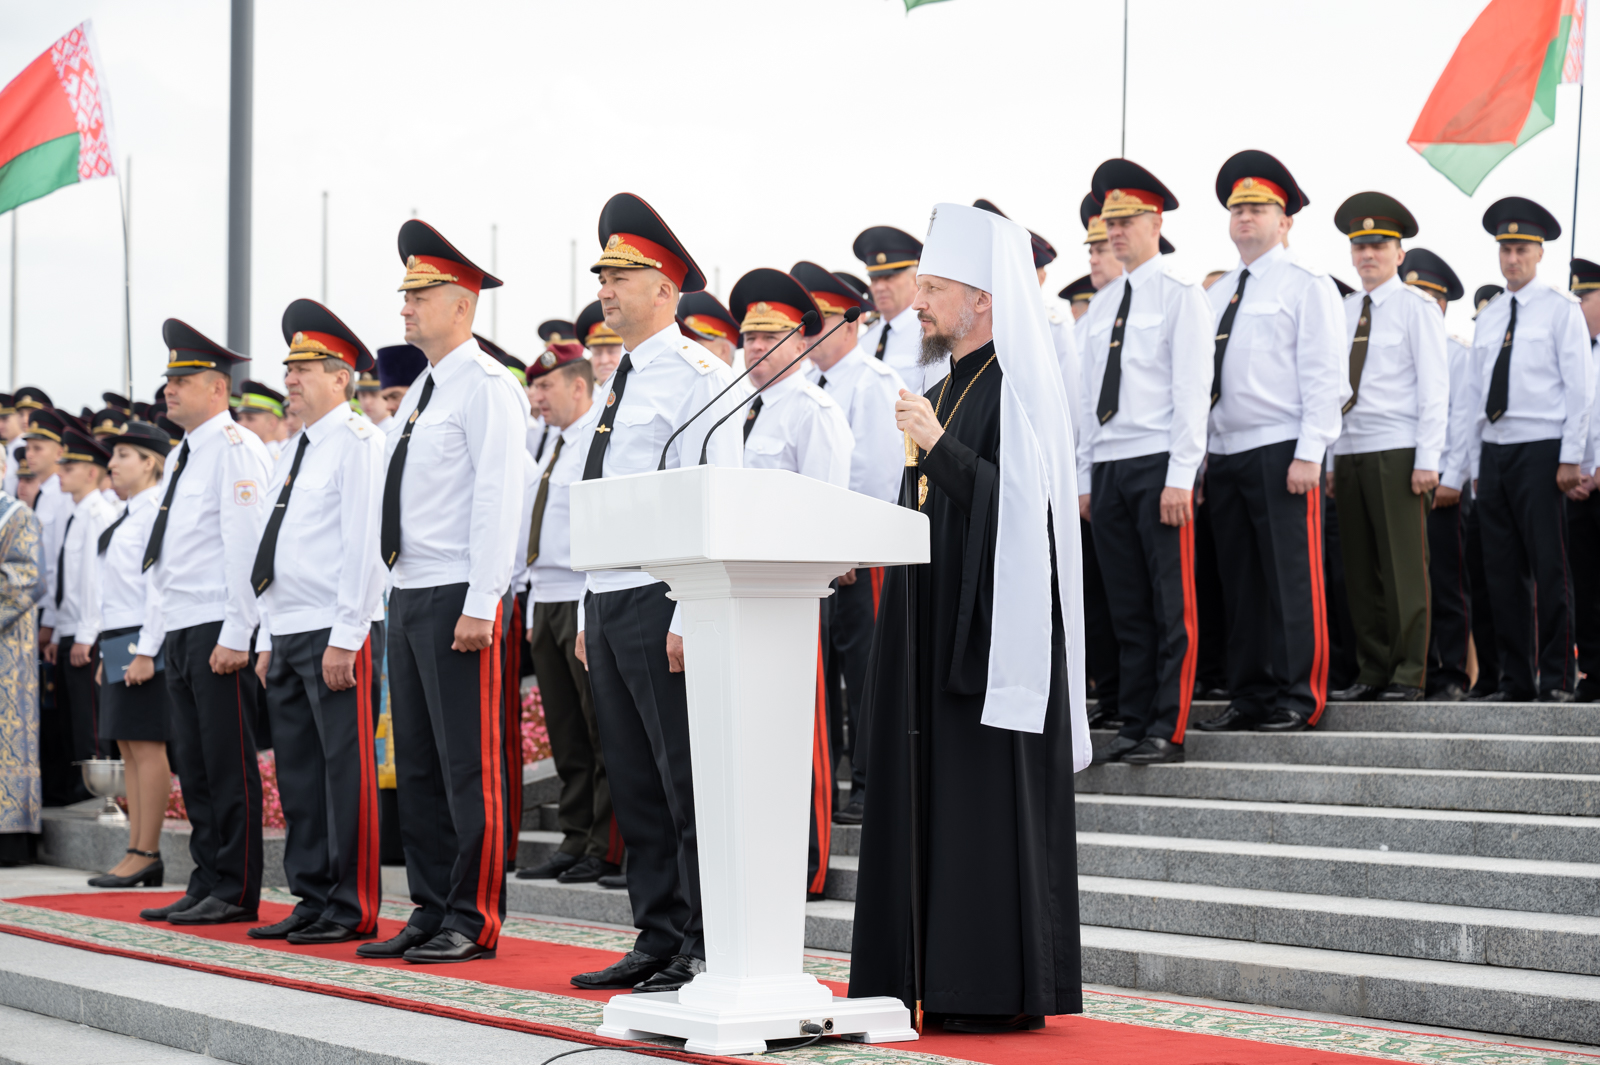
[
  {"x": 126, "y": 199},
  {"x": 572, "y": 273},
  {"x": 1123, "y": 151},
  {"x": 14, "y": 212},
  {"x": 494, "y": 268},
  {"x": 1577, "y": 160},
  {"x": 324, "y": 247}
]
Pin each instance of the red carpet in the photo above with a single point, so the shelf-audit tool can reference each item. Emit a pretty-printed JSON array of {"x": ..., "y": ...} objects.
[{"x": 546, "y": 967}]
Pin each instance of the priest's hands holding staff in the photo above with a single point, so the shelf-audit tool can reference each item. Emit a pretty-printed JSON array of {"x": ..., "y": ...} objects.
[{"x": 914, "y": 414}]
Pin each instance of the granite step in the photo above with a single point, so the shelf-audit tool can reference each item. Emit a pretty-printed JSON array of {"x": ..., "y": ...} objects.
[
  {"x": 1396, "y": 750},
  {"x": 1487, "y": 835},
  {"x": 1425, "y": 789},
  {"x": 34, "y": 1039},
  {"x": 1528, "y": 719}
]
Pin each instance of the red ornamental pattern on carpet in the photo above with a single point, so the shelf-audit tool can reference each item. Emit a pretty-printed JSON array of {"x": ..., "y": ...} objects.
[{"x": 74, "y": 59}]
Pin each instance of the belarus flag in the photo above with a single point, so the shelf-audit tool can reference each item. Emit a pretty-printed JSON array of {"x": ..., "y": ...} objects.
[
  {"x": 1499, "y": 89},
  {"x": 55, "y": 122}
]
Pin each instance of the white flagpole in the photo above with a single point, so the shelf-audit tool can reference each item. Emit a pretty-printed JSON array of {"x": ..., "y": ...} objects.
[
  {"x": 14, "y": 212},
  {"x": 125, "y": 187}
]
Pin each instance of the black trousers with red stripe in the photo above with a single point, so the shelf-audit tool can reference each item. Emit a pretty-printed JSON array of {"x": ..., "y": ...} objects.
[
  {"x": 823, "y": 786},
  {"x": 213, "y": 748},
  {"x": 327, "y": 780},
  {"x": 1148, "y": 569},
  {"x": 445, "y": 707},
  {"x": 1269, "y": 551},
  {"x": 1583, "y": 548},
  {"x": 851, "y": 612},
  {"x": 511, "y": 728}
]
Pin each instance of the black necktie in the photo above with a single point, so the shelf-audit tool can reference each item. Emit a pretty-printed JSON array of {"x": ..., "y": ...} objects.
[
  {"x": 602, "y": 438},
  {"x": 61, "y": 561},
  {"x": 1111, "y": 383},
  {"x": 267, "y": 553},
  {"x": 750, "y": 419},
  {"x": 1500, "y": 380},
  {"x": 539, "y": 502},
  {"x": 158, "y": 531},
  {"x": 389, "y": 536},
  {"x": 111, "y": 530},
  {"x": 543, "y": 437},
  {"x": 822, "y": 380},
  {"x": 1358, "y": 351},
  {"x": 883, "y": 340},
  {"x": 1223, "y": 329}
]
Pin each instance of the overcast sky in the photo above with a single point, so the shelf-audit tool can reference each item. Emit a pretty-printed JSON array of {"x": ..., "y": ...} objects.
[{"x": 763, "y": 132}]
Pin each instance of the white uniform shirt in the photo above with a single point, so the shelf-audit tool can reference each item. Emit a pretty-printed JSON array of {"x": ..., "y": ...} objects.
[
  {"x": 51, "y": 508},
  {"x": 1286, "y": 372},
  {"x": 390, "y": 425},
  {"x": 530, "y": 488},
  {"x": 1063, "y": 334},
  {"x": 552, "y": 579},
  {"x": 867, "y": 390},
  {"x": 1165, "y": 392},
  {"x": 462, "y": 491},
  {"x": 9, "y": 485},
  {"x": 1589, "y": 458},
  {"x": 801, "y": 429},
  {"x": 326, "y": 572},
  {"x": 213, "y": 530},
  {"x": 903, "y": 351},
  {"x": 88, "y": 520},
  {"x": 122, "y": 594},
  {"x": 109, "y": 494},
  {"x": 1404, "y": 398},
  {"x": 1551, "y": 382},
  {"x": 1460, "y": 362}
]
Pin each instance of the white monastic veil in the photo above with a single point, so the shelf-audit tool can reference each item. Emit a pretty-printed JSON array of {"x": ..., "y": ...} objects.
[{"x": 1037, "y": 470}]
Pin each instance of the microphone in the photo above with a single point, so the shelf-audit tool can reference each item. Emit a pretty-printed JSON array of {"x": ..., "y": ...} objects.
[
  {"x": 849, "y": 316},
  {"x": 805, "y": 320}
]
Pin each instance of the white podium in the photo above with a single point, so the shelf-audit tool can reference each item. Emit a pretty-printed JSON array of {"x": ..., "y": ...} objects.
[{"x": 747, "y": 554}]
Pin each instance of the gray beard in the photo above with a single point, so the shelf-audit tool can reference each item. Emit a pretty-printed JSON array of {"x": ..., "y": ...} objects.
[{"x": 935, "y": 348}]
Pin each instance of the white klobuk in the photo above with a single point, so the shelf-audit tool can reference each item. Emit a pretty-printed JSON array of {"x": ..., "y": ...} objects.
[{"x": 747, "y": 554}]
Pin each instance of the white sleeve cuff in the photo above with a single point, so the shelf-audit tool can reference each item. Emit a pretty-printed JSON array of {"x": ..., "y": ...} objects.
[{"x": 480, "y": 605}]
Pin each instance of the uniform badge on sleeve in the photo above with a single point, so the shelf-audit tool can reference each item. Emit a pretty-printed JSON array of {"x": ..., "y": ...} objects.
[
  {"x": 232, "y": 433},
  {"x": 244, "y": 493}
]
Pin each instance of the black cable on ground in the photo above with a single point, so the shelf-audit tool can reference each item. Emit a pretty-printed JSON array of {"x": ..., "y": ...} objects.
[{"x": 813, "y": 1030}]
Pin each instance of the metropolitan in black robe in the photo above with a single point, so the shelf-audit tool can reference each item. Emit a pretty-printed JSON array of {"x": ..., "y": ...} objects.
[{"x": 998, "y": 833}]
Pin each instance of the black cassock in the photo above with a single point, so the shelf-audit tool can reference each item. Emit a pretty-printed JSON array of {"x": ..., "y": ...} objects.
[{"x": 999, "y": 836}]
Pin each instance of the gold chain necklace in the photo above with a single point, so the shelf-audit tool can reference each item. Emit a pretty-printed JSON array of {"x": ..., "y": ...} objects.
[{"x": 922, "y": 482}]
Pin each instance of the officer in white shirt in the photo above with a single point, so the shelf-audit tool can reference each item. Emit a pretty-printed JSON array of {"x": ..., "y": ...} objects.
[
  {"x": 1388, "y": 455},
  {"x": 202, "y": 545},
  {"x": 1526, "y": 419},
  {"x": 398, "y": 366},
  {"x": 316, "y": 648},
  {"x": 1278, "y": 382},
  {"x": 452, "y": 497},
  {"x": 662, "y": 380},
  {"x": 259, "y": 408},
  {"x": 1142, "y": 407},
  {"x": 704, "y": 319},
  {"x": 890, "y": 256},
  {"x": 83, "y": 463},
  {"x": 1583, "y": 508},
  {"x": 603, "y": 344},
  {"x": 61, "y": 781},
  {"x": 866, "y": 390},
  {"x": 369, "y": 398},
  {"x": 1078, "y": 294},
  {"x": 10, "y": 430},
  {"x": 1484, "y": 640}
]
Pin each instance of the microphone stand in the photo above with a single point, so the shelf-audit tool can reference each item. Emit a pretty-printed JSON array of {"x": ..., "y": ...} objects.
[{"x": 910, "y": 498}]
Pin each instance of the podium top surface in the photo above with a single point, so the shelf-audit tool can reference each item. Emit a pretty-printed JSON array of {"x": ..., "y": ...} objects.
[{"x": 707, "y": 513}]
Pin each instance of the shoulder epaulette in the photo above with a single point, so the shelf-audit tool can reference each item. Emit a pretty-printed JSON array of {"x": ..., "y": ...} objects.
[
  {"x": 820, "y": 395},
  {"x": 1566, "y": 295},
  {"x": 1458, "y": 340},
  {"x": 1419, "y": 294},
  {"x": 698, "y": 357},
  {"x": 360, "y": 426},
  {"x": 878, "y": 367},
  {"x": 232, "y": 433}
]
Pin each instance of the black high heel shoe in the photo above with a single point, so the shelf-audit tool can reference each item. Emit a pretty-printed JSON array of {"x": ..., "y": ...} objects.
[{"x": 150, "y": 876}]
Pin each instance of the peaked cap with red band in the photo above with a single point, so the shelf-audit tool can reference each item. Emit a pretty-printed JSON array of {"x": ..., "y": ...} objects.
[
  {"x": 431, "y": 260},
  {"x": 314, "y": 332},
  {"x": 831, "y": 294},
  {"x": 702, "y": 316},
  {"x": 1124, "y": 189},
  {"x": 1044, "y": 253},
  {"x": 591, "y": 328},
  {"x": 771, "y": 301},
  {"x": 1256, "y": 177},
  {"x": 633, "y": 236}
]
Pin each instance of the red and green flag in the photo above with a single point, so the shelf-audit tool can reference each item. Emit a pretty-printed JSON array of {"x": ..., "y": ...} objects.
[
  {"x": 55, "y": 122},
  {"x": 1499, "y": 89}
]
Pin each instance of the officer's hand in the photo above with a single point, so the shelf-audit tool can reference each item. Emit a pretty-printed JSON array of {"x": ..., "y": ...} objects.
[
  {"x": 1585, "y": 486},
  {"x": 580, "y": 653},
  {"x": 473, "y": 634},
  {"x": 141, "y": 669},
  {"x": 847, "y": 577},
  {"x": 46, "y": 638},
  {"x": 1303, "y": 476},
  {"x": 226, "y": 660},
  {"x": 338, "y": 669},
  {"x": 1567, "y": 476},
  {"x": 1446, "y": 497},
  {"x": 1424, "y": 481},
  {"x": 914, "y": 414},
  {"x": 1083, "y": 506},
  {"x": 50, "y": 650},
  {"x": 263, "y": 663},
  {"x": 674, "y": 652},
  {"x": 1175, "y": 506},
  {"x": 80, "y": 654},
  {"x": 1327, "y": 483},
  {"x": 100, "y": 673}
]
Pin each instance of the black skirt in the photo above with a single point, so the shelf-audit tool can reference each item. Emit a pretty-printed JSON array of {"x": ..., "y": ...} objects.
[{"x": 139, "y": 712}]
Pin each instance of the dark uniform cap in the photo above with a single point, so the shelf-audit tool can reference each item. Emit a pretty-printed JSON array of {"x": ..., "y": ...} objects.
[
  {"x": 47, "y": 425},
  {"x": 1256, "y": 177},
  {"x": 190, "y": 352},
  {"x": 1430, "y": 273},
  {"x": 863, "y": 289},
  {"x": 702, "y": 315},
  {"x": 19, "y": 459},
  {"x": 557, "y": 330},
  {"x": 1094, "y": 227},
  {"x": 173, "y": 430},
  {"x": 1081, "y": 290},
  {"x": 141, "y": 433},
  {"x": 399, "y": 365},
  {"x": 1518, "y": 218},
  {"x": 431, "y": 260},
  {"x": 368, "y": 381},
  {"x": 633, "y": 236},
  {"x": 1585, "y": 275},
  {"x": 1123, "y": 189},
  {"x": 253, "y": 395},
  {"x": 518, "y": 368},
  {"x": 1372, "y": 217},
  {"x": 8, "y": 404},
  {"x": 31, "y": 398},
  {"x": 109, "y": 422},
  {"x": 117, "y": 401},
  {"x": 771, "y": 301},
  {"x": 591, "y": 329},
  {"x": 1344, "y": 289},
  {"x": 141, "y": 409},
  {"x": 559, "y": 353},
  {"x": 313, "y": 333},
  {"x": 1481, "y": 298},
  {"x": 78, "y": 446},
  {"x": 886, "y": 250},
  {"x": 832, "y": 294},
  {"x": 1044, "y": 253},
  {"x": 85, "y": 415}
]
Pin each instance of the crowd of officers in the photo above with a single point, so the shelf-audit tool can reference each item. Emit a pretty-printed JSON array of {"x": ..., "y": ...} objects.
[{"x": 233, "y": 570}]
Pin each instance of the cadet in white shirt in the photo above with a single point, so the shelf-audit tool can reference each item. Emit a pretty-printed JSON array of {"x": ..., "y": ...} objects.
[
  {"x": 1142, "y": 408},
  {"x": 635, "y": 662},
  {"x": 452, "y": 497},
  {"x": 1583, "y": 508},
  {"x": 398, "y": 366},
  {"x": 1278, "y": 381},
  {"x": 1061, "y": 329},
  {"x": 61, "y": 781},
  {"x": 10, "y": 430},
  {"x": 319, "y": 581},
  {"x": 704, "y": 319},
  {"x": 1526, "y": 419},
  {"x": 202, "y": 545},
  {"x": 890, "y": 256},
  {"x": 1388, "y": 456},
  {"x": 603, "y": 344}
]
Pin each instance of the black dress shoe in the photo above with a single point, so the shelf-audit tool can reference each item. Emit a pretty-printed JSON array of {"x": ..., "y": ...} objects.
[
  {"x": 447, "y": 947},
  {"x": 1356, "y": 693},
  {"x": 550, "y": 868},
  {"x": 852, "y": 814},
  {"x": 1154, "y": 751},
  {"x": 679, "y": 971},
  {"x": 410, "y": 936},
  {"x": 589, "y": 870},
  {"x": 1113, "y": 751},
  {"x": 1211, "y": 695},
  {"x": 1399, "y": 693},
  {"x": 1230, "y": 720},
  {"x": 1447, "y": 693},
  {"x": 628, "y": 970},
  {"x": 1104, "y": 717},
  {"x": 292, "y": 923},
  {"x": 1555, "y": 696},
  {"x": 619, "y": 882},
  {"x": 987, "y": 1024},
  {"x": 161, "y": 913},
  {"x": 150, "y": 876},
  {"x": 1485, "y": 695},
  {"x": 212, "y": 910},
  {"x": 326, "y": 931},
  {"x": 1285, "y": 721}
]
